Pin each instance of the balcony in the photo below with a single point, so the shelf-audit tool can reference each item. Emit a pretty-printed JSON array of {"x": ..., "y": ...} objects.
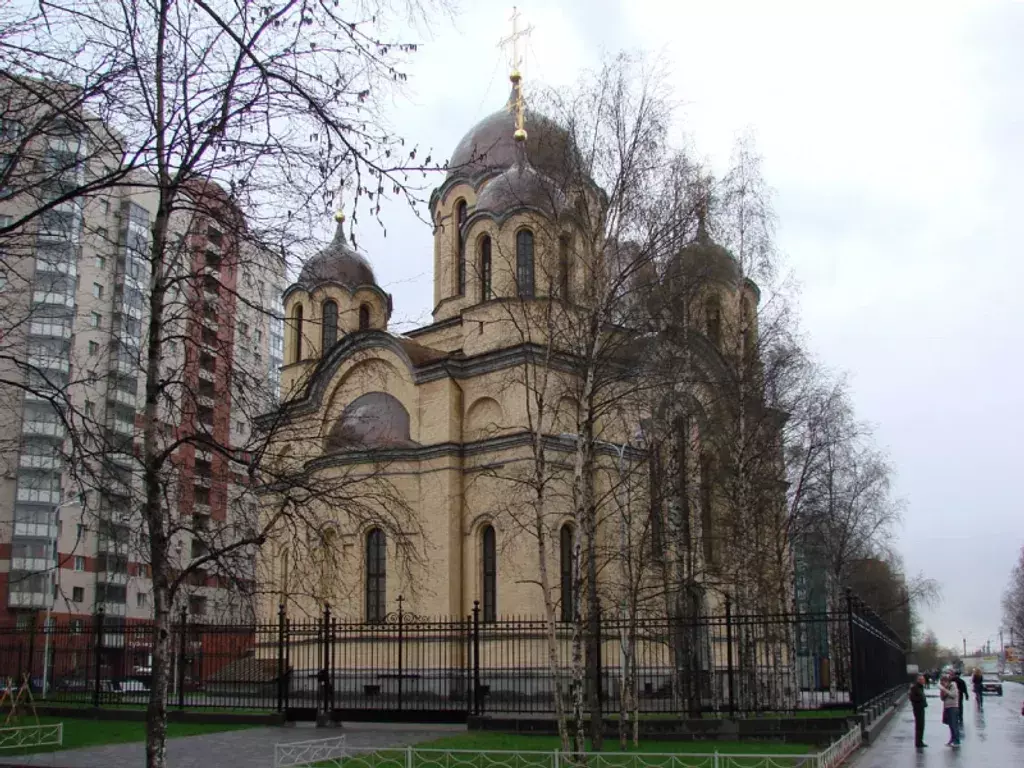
[
  {"x": 122, "y": 427},
  {"x": 206, "y": 374},
  {"x": 113, "y": 638},
  {"x": 107, "y": 546},
  {"x": 34, "y": 428},
  {"x": 29, "y": 599},
  {"x": 122, "y": 459},
  {"x": 53, "y": 299},
  {"x": 37, "y": 461},
  {"x": 35, "y": 530},
  {"x": 202, "y": 481},
  {"x": 49, "y": 363},
  {"x": 206, "y": 402},
  {"x": 201, "y": 508},
  {"x": 68, "y": 267},
  {"x": 113, "y": 609},
  {"x": 49, "y": 330},
  {"x": 37, "y": 564},
  {"x": 122, "y": 398},
  {"x": 112, "y": 577},
  {"x": 38, "y": 496},
  {"x": 126, "y": 367},
  {"x": 40, "y": 395}
]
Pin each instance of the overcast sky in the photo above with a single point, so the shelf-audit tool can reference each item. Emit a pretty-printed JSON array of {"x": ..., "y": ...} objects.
[{"x": 892, "y": 134}]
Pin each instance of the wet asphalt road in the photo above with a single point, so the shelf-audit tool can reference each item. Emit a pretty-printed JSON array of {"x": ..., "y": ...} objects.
[{"x": 993, "y": 736}]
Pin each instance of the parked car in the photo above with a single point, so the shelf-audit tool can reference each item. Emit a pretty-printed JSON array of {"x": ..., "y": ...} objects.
[{"x": 992, "y": 684}]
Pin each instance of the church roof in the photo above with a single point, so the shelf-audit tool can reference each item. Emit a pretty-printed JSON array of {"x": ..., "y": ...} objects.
[
  {"x": 338, "y": 263},
  {"x": 522, "y": 185},
  {"x": 490, "y": 146}
]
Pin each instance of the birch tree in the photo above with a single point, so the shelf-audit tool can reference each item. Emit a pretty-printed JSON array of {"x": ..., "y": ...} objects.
[{"x": 243, "y": 116}]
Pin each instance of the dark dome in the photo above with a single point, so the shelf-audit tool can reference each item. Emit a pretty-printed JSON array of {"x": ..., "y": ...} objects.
[
  {"x": 489, "y": 145},
  {"x": 375, "y": 419},
  {"x": 704, "y": 260},
  {"x": 338, "y": 263},
  {"x": 521, "y": 185}
]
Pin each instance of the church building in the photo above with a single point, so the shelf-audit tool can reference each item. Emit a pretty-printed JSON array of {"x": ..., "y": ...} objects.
[{"x": 423, "y": 431}]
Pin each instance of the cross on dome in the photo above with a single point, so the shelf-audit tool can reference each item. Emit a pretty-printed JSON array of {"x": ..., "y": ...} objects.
[{"x": 516, "y": 105}]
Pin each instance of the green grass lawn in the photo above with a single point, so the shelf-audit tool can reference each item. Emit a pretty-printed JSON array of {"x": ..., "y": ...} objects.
[
  {"x": 92, "y": 733},
  {"x": 1015, "y": 678}
]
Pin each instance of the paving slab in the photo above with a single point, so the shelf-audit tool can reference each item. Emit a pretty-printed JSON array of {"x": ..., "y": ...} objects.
[
  {"x": 250, "y": 748},
  {"x": 993, "y": 736}
]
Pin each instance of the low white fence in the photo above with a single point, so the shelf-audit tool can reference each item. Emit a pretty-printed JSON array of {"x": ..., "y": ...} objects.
[
  {"x": 319, "y": 752},
  {"x": 327, "y": 753},
  {"x": 24, "y": 736},
  {"x": 839, "y": 751}
]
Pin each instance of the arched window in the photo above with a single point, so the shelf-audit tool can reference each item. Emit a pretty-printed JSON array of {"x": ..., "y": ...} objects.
[
  {"x": 485, "y": 268},
  {"x": 565, "y": 547},
  {"x": 460, "y": 245},
  {"x": 713, "y": 312},
  {"x": 364, "y": 317},
  {"x": 563, "y": 268},
  {"x": 524, "y": 263},
  {"x": 297, "y": 329},
  {"x": 707, "y": 474},
  {"x": 489, "y": 563},
  {"x": 376, "y": 575},
  {"x": 329, "y": 329}
]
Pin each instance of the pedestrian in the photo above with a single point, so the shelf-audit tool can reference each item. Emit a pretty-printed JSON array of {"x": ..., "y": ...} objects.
[
  {"x": 918, "y": 702},
  {"x": 950, "y": 703},
  {"x": 976, "y": 682},
  {"x": 961, "y": 687}
]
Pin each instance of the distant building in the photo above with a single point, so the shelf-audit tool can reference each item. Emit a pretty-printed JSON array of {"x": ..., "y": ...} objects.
[{"x": 73, "y": 317}]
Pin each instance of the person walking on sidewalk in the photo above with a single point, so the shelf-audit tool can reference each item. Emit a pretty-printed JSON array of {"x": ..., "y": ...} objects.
[
  {"x": 961, "y": 687},
  {"x": 918, "y": 702},
  {"x": 976, "y": 683},
  {"x": 950, "y": 704}
]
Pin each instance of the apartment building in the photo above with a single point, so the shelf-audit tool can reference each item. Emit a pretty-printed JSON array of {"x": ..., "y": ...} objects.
[{"x": 74, "y": 282}]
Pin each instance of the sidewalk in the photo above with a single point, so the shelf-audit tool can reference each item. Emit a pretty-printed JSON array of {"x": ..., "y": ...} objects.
[{"x": 993, "y": 736}]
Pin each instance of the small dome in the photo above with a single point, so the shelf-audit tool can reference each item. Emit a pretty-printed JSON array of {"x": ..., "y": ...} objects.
[
  {"x": 490, "y": 145},
  {"x": 705, "y": 260},
  {"x": 522, "y": 186},
  {"x": 338, "y": 263}
]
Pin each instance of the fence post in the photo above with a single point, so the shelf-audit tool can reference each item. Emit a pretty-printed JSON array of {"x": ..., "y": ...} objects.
[
  {"x": 401, "y": 648},
  {"x": 852, "y": 649},
  {"x": 554, "y": 761},
  {"x": 280, "y": 658},
  {"x": 478, "y": 706},
  {"x": 182, "y": 643},
  {"x": 728, "y": 654},
  {"x": 408, "y": 757},
  {"x": 27, "y": 675},
  {"x": 97, "y": 655},
  {"x": 325, "y": 671}
]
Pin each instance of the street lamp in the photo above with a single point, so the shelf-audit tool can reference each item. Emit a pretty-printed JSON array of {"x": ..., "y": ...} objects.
[{"x": 56, "y": 571}]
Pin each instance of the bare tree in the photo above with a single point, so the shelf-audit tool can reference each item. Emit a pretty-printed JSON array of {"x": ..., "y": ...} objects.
[
  {"x": 231, "y": 118},
  {"x": 1013, "y": 599}
]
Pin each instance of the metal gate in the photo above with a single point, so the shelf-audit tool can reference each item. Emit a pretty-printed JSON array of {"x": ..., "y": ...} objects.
[{"x": 404, "y": 668}]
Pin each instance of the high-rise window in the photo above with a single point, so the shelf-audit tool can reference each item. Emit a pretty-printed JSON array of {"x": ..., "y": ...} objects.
[
  {"x": 376, "y": 575},
  {"x": 524, "y": 263},
  {"x": 489, "y": 563},
  {"x": 329, "y": 331}
]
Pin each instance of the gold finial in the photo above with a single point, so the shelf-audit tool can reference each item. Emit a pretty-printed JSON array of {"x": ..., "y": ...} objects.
[
  {"x": 515, "y": 64},
  {"x": 339, "y": 216}
]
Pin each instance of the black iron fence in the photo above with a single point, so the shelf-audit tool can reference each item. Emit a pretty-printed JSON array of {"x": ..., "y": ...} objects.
[{"x": 409, "y": 667}]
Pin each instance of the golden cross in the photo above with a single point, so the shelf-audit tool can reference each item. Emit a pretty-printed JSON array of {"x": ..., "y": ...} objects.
[{"x": 516, "y": 61}]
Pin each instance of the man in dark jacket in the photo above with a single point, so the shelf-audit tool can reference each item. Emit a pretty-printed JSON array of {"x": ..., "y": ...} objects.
[
  {"x": 962, "y": 687},
  {"x": 918, "y": 702}
]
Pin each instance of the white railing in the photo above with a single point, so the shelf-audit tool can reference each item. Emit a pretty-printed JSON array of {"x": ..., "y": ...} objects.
[
  {"x": 51, "y": 735},
  {"x": 29, "y": 599},
  {"x": 840, "y": 750},
  {"x": 300, "y": 753},
  {"x": 37, "y": 461},
  {"x": 332, "y": 753},
  {"x": 48, "y": 428}
]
